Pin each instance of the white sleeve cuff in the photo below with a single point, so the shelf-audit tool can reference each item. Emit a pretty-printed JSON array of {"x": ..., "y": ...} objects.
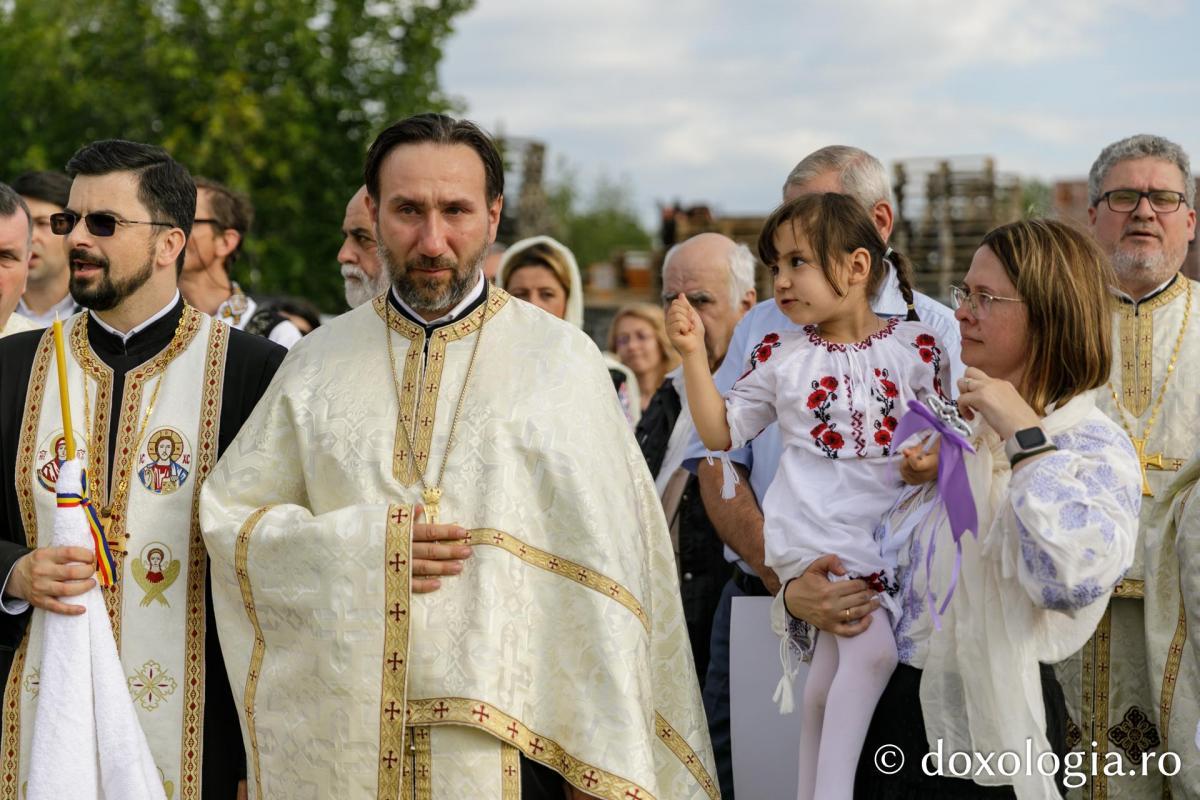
[{"x": 11, "y": 605}]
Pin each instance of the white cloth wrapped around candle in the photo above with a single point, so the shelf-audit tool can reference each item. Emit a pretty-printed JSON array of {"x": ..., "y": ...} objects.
[{"x": 87, "y": 742}]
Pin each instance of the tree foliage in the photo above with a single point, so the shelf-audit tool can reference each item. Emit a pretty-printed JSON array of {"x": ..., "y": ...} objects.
[
  {"x": 276, "y": 98},
  {"x": 599, "y": 225}
]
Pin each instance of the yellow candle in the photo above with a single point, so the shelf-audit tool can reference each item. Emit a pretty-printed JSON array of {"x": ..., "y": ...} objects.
[{"x": 61, "y": 357}]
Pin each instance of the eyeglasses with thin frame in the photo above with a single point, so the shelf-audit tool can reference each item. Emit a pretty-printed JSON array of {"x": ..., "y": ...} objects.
[
  {"x": 98, "y": 223},
  {"x": 1122, "y": 201},
  {"x": 980, "y": 303}
]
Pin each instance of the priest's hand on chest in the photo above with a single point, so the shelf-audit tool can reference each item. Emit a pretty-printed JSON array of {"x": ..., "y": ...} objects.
[
  {"x": 438, "y": 552},
  {"x": 49, "y": 573}
]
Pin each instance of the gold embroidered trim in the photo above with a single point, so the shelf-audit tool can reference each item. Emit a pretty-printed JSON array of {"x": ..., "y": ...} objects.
[
  {"x": 194, "y": 650},
  {"x": 397, "y": 579},
  {"x": 408, "y": 471},
  {"x": 1131, "y": 589},
  {"x": 1136, "y": 328},
  {"x": 422, "y": 782},
  {"x": 510, "y": 772},
  {"x": 99, "y": 425},
  {"x": 1096, "y": 717},
  {"x": 27, "y": 445},
  {"x": 509, "y": 730},
  {"x": 684, "y": 752},
  {"x": 1171, "y": 675},
  {"x": 570, "y": 570},
  {"x": 240, "y": 560}
]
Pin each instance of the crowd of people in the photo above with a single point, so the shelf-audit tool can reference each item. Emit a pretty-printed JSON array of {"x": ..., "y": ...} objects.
[{"x": 447, "y": 547}]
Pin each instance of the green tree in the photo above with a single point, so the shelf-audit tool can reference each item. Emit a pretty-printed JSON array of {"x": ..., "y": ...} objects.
[
  {"x": 1037, "y": 199},
  {"x": 597, "y": 227},
  {"x": 276, "y": 98}
]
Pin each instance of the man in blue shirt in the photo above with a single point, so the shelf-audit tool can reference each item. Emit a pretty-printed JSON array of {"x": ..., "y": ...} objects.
[{"x": 842, "y": 607}]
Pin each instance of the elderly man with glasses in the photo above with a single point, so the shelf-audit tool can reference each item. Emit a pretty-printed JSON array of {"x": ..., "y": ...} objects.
[{"x": 1134, "y": 688}]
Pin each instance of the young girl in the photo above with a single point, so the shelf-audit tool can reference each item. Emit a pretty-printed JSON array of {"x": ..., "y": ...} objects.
[{"x": 837, "y": 389}]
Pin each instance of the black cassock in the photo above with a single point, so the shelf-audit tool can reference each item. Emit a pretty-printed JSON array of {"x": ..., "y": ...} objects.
[{"x": 250, "y": 364}]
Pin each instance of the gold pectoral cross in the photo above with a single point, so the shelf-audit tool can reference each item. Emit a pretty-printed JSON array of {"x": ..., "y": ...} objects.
[
  {"x": 1147, "y": 462},
  {"x": 432, "y": 495}
]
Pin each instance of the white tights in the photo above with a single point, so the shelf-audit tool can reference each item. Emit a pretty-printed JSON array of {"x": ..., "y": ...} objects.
[{"x": 845, "y": 680}]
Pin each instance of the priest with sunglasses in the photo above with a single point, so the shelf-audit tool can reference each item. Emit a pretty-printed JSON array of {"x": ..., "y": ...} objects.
[
  {"x": 1134, "y": 689},
  {"x": 146, "y": 374}
]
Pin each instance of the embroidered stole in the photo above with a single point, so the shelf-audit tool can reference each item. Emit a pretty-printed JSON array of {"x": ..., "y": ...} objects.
[{"x": 157, "y": 608}]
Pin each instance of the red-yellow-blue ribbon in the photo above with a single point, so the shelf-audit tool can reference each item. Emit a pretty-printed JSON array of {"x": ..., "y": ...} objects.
[{"x": 106, "y": 565}]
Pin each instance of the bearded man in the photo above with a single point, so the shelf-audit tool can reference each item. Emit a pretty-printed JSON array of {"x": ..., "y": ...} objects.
[{"x": 527, "y": 639}]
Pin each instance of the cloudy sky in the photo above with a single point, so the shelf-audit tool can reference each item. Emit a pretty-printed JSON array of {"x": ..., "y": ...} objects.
[{"x": 715, "y": 101}]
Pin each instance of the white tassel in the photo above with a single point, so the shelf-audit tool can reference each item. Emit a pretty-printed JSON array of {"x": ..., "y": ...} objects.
[
  {"x": 729, "y": 478},
  {"x": 784, "y": 695}
]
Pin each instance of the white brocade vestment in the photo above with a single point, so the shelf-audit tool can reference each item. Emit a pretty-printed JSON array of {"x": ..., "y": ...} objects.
[
  {"x": 562, "y": 640},
  {"x": 157, "y": 608},
  {"x": 1129, "y": 690}
]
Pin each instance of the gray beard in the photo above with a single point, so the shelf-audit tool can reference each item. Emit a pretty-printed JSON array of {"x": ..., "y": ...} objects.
[
  {"x": 421, "y": 296},
  {"x": 360, "y": 288},
  {"x": 1158, "y": 267}
]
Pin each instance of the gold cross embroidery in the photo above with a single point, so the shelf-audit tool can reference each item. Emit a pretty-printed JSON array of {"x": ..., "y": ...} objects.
[{"x": 1147, "y": 462}]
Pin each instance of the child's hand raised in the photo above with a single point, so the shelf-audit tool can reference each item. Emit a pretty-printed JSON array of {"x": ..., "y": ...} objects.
[
  {"x": 920, "y": 465},
  {"x": 684, "y": 327}
]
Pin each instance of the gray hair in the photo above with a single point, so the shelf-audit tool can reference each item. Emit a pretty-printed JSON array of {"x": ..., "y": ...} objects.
[
  {"x": 741, "y": 268},
  {"x": 862, "y": 175},
  {"x": 1142, "y": 145},
  {"x": 10, "y": 204}
]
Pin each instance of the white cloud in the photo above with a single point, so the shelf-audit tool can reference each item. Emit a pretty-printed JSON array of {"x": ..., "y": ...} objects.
[{"x": 716, "y": 101}]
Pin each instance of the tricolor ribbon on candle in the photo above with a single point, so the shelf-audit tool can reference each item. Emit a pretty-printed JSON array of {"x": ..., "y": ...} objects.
[
  {"x": 953, "y": 487},
  {"x": 106, "y": 565}
]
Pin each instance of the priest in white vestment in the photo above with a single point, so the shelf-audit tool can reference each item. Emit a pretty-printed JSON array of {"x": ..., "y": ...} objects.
[
  {"x": 1130, "y": 692},
  {"x": 555, "y": 656}
]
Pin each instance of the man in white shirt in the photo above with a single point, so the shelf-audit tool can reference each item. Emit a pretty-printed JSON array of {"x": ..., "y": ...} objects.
[
  {"x": 46, "y": 290},
  {"x": 16, "y": 228},
  {"x": 739, "y": 521}
]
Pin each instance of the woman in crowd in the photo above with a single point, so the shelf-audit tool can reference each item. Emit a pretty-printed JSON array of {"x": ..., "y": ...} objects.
[
  {"x": 1057, "y": 489},
  {"x": 639, "y": 338},
  {"x": 542, "y": 271}
]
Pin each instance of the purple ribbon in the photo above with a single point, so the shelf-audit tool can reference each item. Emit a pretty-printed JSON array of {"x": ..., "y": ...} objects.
[{"x": 953, "y": 486}]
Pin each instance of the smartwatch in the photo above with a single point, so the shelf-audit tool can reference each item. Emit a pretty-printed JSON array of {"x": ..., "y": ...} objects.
[{"x": 1025, "y": 443}]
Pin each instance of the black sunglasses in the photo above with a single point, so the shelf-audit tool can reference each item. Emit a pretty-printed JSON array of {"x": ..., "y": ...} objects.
[{"x": 98, "y": 224}]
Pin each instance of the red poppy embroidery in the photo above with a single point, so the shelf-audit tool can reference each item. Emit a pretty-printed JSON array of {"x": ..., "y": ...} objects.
[
  {"x": 884, "y": 392},
  {"x": 832, "y": 439},
  {"x": 762, "y": 351},
  {"x": 824, "y": 393},
  {"x": 929, "y": 351},
  {"x": 880, "y": 582}
]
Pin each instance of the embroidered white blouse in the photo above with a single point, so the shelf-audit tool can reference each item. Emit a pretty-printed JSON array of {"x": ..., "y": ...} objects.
[{"x": 837, "y": 405}]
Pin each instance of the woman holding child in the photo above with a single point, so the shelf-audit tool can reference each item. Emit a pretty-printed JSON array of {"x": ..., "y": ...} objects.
[{"x": 1057, "y": 489}]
